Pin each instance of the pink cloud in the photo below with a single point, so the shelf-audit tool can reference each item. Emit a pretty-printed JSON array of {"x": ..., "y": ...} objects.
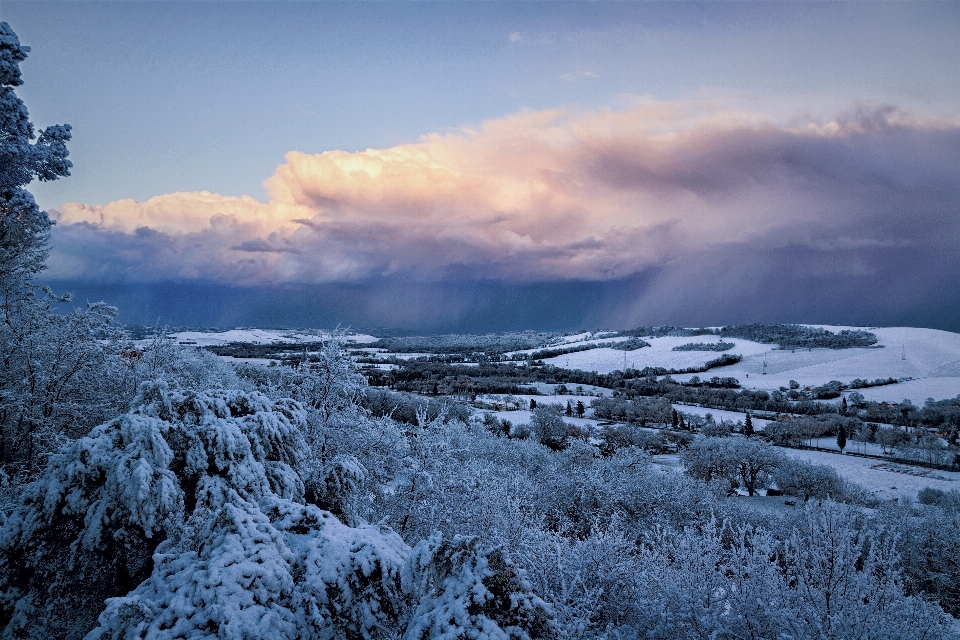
[{"x": 545, "y": 195}]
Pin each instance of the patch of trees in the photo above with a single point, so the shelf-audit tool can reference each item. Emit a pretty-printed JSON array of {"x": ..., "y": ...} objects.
[
  {"x": 943, "y": 416},
  {"x": 858, "y": 383},
  {"x": 278, "y": 350},
  {"x": 754, "y": 464},
  {"x": 720, "y": 393},
  {"x": 487, "y": 344},
  {"x": 411, "y": 409},
  {"x": 640, "y": 411},
  {"x": 437, "y": 378},
  {"x": 705, "y": 346},
  {"x": 788, "y": 336},
  {"x": 622, "y": 345},
  {"x": 794, "y": 336}
]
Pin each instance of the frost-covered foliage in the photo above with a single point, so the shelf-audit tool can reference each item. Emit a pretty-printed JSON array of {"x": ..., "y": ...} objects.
[
  {"x": 806, "y": 480},
  {"x": 274, "y": 570},
  {"x": 746, "y": 462},
  {"x": 930, "y": 547},
  {"x": 181, "y": 367},
  {"x": 591, "y": 582},
  {"x": 196, "y": 497},
  {"x": 469, "y": 591},
  {"x": 46, "y": 361},
  {"x": 828, "y": 579}
]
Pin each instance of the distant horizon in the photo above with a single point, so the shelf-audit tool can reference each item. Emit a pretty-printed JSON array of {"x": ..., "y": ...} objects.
[{"x": 188, "y": 307}]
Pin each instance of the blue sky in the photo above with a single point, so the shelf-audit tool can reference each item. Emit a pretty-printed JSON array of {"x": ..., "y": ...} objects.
[
  {"x": 209, "y": 96},
  {"x": 185, "y": 98}
]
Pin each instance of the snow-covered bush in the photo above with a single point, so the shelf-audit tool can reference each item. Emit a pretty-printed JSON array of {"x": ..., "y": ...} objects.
[
  {"x": 806, "y": 480},
  {"x": 335, "y": 487},
  {"x": 197, "y": 498},
  {"x": 468, "y": 590},
  {"x": 275, "y": 570},
  {"x": 591, "y": 584},
  {"x": 831, "y": 578}
]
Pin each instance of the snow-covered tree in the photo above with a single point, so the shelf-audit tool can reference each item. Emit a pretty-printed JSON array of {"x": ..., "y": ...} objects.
[
  {"x": 55, "y": 369},
  {"x": 807, "y": 480},
  {"x": 747, "y": 461},
  {"x": 549, "y": 428}
]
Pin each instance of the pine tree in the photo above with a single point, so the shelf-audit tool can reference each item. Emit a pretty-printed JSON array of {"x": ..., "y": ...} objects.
[
  {"x": 843, "y": 407},
  {"x": 580, "y": 409},
  {"x": 533, "y": 404},
  {"x": 841, "y": 438},
  {"x": 569, "y": 411},
  {"x": 24, "y": 228},
  {"x": 748, "y": 426},
  {"x": 675, "y": 419}
]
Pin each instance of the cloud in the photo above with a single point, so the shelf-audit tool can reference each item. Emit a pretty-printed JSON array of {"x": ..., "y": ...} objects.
[
  {"x": 718, "y": 203},
  {"x": 578, "y": 76},
  {"x": 515, "y": 37}
]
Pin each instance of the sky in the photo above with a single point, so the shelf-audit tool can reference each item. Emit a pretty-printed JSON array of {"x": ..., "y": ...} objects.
[{"x": 488, "y": 166}]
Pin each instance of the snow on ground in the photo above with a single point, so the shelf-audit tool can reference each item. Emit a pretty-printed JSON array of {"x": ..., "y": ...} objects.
[
  {"x": 884, "y": 481},
  {"x": 917, "y": 391},
  {"x": 660, "y": 353},
  {"x": 928, "y": 356},
  {"x": 260, "y": 336}
]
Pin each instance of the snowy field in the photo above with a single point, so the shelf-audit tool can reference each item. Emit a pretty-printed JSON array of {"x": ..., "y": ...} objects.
[
  {"x": 885, "y": 480},
  {"x": 660, "y": 353},
  {"x": 928, "y": 356}
]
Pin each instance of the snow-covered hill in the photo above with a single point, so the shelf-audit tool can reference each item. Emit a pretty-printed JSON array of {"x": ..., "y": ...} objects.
[{"x": 931, "y": 358}]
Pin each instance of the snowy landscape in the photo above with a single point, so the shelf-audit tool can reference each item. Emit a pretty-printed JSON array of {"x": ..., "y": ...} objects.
[{"x": 578, "y": 476}]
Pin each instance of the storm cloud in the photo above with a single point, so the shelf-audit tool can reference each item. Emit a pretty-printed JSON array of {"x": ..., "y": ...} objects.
[{"x": 689, "y": 213}]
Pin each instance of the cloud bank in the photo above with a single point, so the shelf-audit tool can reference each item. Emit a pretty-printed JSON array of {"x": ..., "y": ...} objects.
[{"x": 708, "y": 211}]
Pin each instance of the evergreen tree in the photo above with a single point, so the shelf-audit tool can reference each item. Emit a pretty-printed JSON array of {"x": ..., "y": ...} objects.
[
  {"x": 841, "y": 437},
  {"x": 54, "y": 382},
  {"x": 580, "y": 409},
  {"x": 569, "y": 411},
  {"x": 748, "y": 426},
  {"x": 24, "y": 228},
  {"x": 675, "y": 419},
  {"x": 533, "y": 404},
  {"x": 843, "y": 407}
]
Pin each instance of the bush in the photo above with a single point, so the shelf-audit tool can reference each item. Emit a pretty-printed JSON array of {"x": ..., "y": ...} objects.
[
  {"x": 549, "y": 428},
  {"x": 937, "y": 497},
  {"x": 802, "y": 479}
]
